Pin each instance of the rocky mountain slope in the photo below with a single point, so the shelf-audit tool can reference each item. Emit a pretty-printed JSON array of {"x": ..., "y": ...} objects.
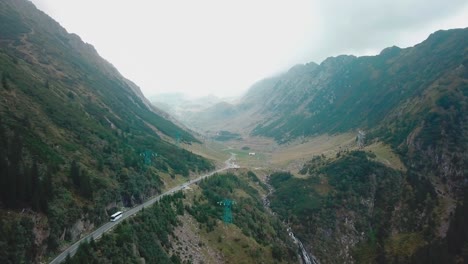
[
  {"x": 416, "y": 101},
  {"x": 343, "y": 93},
  {"x": 350, "y": 208},
  {"x": 78, "y": 141},
  {"x": 346, "y": 92}
]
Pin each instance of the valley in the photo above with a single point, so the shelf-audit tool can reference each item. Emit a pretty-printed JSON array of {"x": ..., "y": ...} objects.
[
  {"x": 267, "y": 159},
  {"x": 366, "y": 166},
  {"x": 358, "y": 159}
]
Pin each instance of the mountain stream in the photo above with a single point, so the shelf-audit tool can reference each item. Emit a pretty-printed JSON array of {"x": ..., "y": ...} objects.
[{"x": 305, "y": 256}]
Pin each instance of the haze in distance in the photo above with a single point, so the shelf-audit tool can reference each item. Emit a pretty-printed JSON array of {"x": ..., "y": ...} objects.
[{"x": 217, "y": 47}]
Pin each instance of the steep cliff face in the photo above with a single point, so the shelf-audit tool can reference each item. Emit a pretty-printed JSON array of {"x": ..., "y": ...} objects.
[
  {"x": 73, "y": 136},
  {"x": 415, "y": 100}
]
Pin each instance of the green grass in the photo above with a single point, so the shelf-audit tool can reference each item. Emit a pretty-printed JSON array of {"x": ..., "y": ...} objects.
[{"x": 385, "y": 155}]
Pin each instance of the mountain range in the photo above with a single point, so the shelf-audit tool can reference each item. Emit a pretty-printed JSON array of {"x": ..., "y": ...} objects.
[
  {"x": 78, "y": 142},
  {"x": 414, "y": 100},
  {"x": 342, "y": 93}
]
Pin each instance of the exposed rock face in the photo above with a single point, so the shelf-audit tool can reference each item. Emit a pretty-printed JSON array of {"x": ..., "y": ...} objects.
[
  {"x": 80, "y": 228},
  {"x": 190, "y": 246}
]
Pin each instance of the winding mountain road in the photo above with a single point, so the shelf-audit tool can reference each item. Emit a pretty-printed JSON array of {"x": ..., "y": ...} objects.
[{"x": 96, "y": 234}]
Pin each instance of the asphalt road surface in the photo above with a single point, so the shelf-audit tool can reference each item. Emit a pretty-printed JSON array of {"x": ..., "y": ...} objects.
[{"x": 96, "y": 234}]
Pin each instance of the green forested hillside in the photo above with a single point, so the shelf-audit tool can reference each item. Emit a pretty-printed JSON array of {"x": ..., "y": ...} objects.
[
  {"x": 145, "y": 236},
  {"x": 341, "y": 203},
  {"x": 78, "y": 142},
  {"x": 415, "y": 100},
  {"x": 369, "y": 213},
  {"x": 72, "y": 135},
  {"x": 254, "y": 236}
]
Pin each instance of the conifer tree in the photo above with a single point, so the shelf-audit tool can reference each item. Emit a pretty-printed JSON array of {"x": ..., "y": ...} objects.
[
  {"x": 36, "y": 188},
  {"x": 75, "y": 173},
  {"x": 4, "y": 81}
]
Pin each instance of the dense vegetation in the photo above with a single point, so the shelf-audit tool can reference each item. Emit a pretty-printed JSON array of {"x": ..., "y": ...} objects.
[
  {"x": 248, "y": 212},
  {"x": 382, "y": 215},
  {"x": 145, "y": 235},
  {"x": 17, "y": 240},
  {"x": 150, "y": 237},
  {"x": 454, "y": 247},
  {"x": 73, "y": 133},
  {"x": 350, "y": 194}
]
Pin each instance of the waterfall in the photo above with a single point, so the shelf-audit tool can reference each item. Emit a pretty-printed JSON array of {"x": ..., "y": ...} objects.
[{"x": 306, "y": 258}]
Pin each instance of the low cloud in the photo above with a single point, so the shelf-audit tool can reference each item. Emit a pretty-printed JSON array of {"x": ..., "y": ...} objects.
[
  {"x": 222, "y": 47},
  {"x": 361, "y": 26}
]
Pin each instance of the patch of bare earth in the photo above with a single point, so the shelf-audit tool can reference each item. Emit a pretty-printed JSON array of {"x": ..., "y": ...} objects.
[{"x": 190, "y": 246}]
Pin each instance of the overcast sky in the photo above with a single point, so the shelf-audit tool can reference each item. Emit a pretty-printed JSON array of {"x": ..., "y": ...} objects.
[{"x": 221, "y": 47}]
